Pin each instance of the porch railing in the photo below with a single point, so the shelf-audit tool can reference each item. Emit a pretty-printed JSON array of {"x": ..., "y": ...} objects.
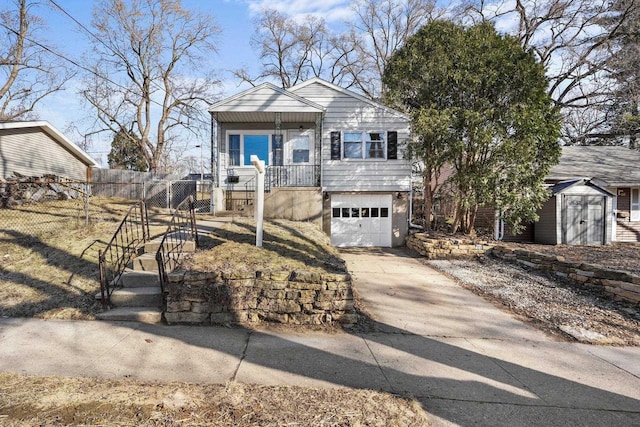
[
  {"x": 181, "y": 229},
  {"x": 292, "y": 176},
  {"x": 130, "y": 236}
]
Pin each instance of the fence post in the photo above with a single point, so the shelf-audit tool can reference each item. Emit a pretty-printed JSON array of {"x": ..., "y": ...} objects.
[
  {"x": 212, "y": 195},
  {"x": 87, "y": 190},
  {"x": 169, "y": 195}
]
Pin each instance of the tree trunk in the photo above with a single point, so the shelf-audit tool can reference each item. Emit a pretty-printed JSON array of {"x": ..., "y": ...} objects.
[{"x": 427, "y": 203}]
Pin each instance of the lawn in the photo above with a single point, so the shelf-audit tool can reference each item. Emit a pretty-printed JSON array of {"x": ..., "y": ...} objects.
[
  {"x": 28, "y": 400},
  {"x": 49, "y": 256},
  {"x": 52, "y": 272},
  {"x": 287, "y": 246}
]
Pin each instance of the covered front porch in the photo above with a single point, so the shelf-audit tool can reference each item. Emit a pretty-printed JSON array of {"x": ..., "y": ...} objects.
[{"x": 281, "y": 128}]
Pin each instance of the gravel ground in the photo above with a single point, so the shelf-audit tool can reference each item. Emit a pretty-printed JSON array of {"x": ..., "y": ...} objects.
[
  {"x": 557, "y": 307},
  {"x": 618, "y": 256}
]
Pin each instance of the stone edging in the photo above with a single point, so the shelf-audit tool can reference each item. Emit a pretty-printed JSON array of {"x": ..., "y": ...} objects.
[
  {"x": 437, "y": 248},
  {"x": 298, "y": 297},
  {"x": 620, "y": 284}
]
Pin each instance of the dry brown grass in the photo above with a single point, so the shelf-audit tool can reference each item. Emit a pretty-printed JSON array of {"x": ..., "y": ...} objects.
[
  {"x": 29, "y": 400},
  {"x": 287, "y": 246},
  {"x": 52, "y": 272}
]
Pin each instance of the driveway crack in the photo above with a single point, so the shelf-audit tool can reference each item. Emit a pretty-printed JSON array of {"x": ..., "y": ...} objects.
[
  {"x": 242, "y": 357},
  {"x": 393, "y": 390}
]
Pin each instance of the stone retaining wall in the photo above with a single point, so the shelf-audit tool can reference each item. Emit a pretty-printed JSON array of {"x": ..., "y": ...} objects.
[
  {"x": 439, "y": 248},
  {"x": 299, "y": 298},
  {"x": 620, "y": 284}
]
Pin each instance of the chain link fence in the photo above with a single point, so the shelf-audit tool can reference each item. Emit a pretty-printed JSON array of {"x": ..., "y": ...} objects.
[{"x": 31, "y": 206}]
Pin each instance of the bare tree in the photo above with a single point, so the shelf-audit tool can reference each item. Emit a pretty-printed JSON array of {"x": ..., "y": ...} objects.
[
  {"x": 28, "y": 70},
  {"x": 381, "y": 27},
  {"x": 292, "y": 51},
  {"x": 624, "y": 65},
  {"x": 568, "y": 37},
  {"x": 144, "y": 53}
]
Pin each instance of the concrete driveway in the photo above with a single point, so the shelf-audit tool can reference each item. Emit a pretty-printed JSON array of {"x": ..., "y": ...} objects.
[
  {"x": 466, "y": 361},
  {"x": 474, "y": 364}
]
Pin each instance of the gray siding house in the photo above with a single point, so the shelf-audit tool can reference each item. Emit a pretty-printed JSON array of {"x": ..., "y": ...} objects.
[
  {"x": 614, "y": 170},
  {"x": 36, "y": 148},
  {"x": 332, "y": 156}
]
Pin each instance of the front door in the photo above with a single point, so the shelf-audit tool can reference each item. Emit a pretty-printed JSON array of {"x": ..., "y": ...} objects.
[
  {"x": 583, "y": 222},
  {"x": 299, "y": 158}
]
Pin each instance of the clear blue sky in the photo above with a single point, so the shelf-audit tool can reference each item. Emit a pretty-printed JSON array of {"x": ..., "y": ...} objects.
[{"x": 233, "y": 16}]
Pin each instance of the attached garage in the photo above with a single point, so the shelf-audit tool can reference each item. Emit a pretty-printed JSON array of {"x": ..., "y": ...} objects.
[{"x": 361, "y": 220}]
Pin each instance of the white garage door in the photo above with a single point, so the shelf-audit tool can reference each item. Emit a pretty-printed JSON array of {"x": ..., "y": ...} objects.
[{"x": 362, "y": 220}]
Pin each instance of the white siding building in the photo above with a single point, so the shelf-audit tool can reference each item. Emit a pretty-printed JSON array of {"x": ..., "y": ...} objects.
[
  {"x": 36, "y": 148},
  {"x": 341, "y": 152}
]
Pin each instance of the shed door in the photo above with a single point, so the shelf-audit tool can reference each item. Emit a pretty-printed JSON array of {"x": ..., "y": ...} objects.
[
  {"x": 584, "y": 220},
  {"x": 361, "y": 220}
]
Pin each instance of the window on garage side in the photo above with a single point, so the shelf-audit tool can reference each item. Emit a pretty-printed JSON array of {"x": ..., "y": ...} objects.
[
  {"x": 353, "y": 145},
  {"x": 365, "y": 145},
  {"x": 635, "y": 204},
  {"x": 375, "y": 145}
]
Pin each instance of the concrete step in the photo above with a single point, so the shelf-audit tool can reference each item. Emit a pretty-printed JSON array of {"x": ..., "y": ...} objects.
[
  {"x": 137, "y": 297},
  {"x": 145, "y": 262},
  {"x": 154, "y": 245},
  {"x": 139, "y": 279},
  {"x": 135, "y": 314}
]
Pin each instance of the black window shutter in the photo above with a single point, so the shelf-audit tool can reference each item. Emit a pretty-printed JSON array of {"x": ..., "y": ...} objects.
[
  {"x": 335, "y": 145},
  {"x": 392, "y": 145}
]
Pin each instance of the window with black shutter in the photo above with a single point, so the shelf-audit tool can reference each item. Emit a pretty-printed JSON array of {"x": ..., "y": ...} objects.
[{"x": 335, "y": 145}]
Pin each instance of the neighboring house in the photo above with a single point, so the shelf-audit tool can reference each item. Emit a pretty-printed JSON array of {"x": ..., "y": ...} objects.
[
  {"x": 36, "y": 148},
  {"x": 594, "y": 198},
  {"x": 612, "y": 193},
  {"x": 332, "y": 156}
]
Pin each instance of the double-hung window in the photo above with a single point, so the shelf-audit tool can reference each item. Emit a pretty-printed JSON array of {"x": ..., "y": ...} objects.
[
  {"x": 364, "y": 145},
  {"x": 352, "y": 145},
  {"x": 635, "y": 204}
]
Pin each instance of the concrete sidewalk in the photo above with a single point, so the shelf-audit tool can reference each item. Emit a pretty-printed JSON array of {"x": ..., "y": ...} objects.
[{"x": 466, "y": 361}]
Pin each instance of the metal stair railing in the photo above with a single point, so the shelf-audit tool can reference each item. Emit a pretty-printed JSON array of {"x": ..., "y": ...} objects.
[
  {"x": 181, "y": 229},
  {"x": 132, "y": 233}
]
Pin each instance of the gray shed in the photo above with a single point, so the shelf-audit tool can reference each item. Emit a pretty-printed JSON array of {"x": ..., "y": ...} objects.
[{"x": 579, "y": 212}]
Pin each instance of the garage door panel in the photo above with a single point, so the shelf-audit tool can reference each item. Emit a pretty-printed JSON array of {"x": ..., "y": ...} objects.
[{"x": 361, "y": 220}]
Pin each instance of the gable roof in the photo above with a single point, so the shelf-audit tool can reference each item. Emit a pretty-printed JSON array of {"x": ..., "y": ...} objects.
[
  {"x": 47, "y": 128},
  {"x": 317, "y": 80},
  {"x": 565, "y": 185},
  {"x": 615, "y": 166},
  {"x": 266, "y": 97}
]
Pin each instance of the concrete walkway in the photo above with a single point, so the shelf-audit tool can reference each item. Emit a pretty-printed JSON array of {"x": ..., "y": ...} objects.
[{"x": 467, "y": 362}]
